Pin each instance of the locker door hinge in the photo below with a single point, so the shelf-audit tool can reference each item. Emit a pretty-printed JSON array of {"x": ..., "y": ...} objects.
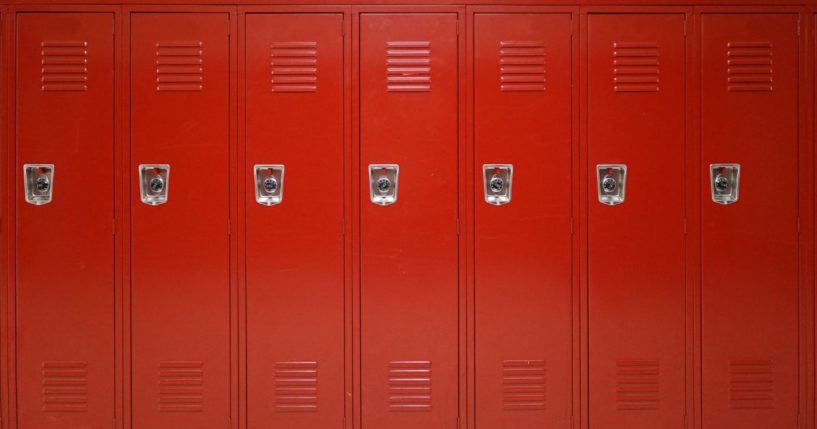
[
  {"x": 798, "y": 226},
  {"x": 571, "y": 230},
  {"x": 685, "y": 27},
  {"x": 343, "y": 232},
  {"x": 458, "y": 226},
  {"x": 572, "y": 421},
  {"x": 113, "y": 226},
  {"x": 343, "y": 423},
  {"x": 686, "y": 421},
  {"x": 685, "y": 233},
  {"x": 229, "y": 423},
  {"x": 459, "y": 422},
  {"x": 229, "y": 228},
  {"x": 798, "y": 25}
]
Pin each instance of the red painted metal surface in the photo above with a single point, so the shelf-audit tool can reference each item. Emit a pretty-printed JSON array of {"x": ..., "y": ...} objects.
[
  {"x": 636, "y": 249},
  {"x": 295, "y": 250},
  {"x": 750, "y": 248},
  {"x": 665, "y": 311},
  {"x": 409, "y": 250},
  {"x": 65, "y": 249},
  {"x": 180, "y": 250},
  {"x": 522, "y": 97}
]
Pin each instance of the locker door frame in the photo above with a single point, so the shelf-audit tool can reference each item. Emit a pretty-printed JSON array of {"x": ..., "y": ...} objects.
[
  {"x": 8, "y": 224},
  {"x": 130, "y": 177},
  {"x": 358, "y": 199},
  {"x": 586, "y": 197},
  {"x": 806, "y": 208},
  {"x": 473, "y": 192},
  {"x": 349, "y": 189},
  {"x": 5, "y": 151}
]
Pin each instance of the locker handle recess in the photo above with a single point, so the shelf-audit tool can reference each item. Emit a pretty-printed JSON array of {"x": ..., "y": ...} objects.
[
  {"x": 383, "y": 183},
  {"x": 497, "y": 180},
  {"x": 154, "y": 183},
  {"x": 725, "y": 183},
  {"x": 269, "y": 184},
  {"x": 38, "y": 181},
  {"x": 612, "y": 183}
]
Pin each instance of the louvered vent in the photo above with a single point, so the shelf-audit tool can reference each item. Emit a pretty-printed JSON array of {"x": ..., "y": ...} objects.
[
  {"x": 408, "y": 66},
  {"x": 636, "y": 67},
  {"x": 294, "y": 66},
  {"x": 523, "y": 383},
  {"x": 64, "y": 65},
  {"x": 749, "y": 66},
  {"x": 296, "y": 387},
  {"x": 179, "y": 66},
  {"x": 751, "y": 384},
  {"x": 65, "y": 386},
  {"x": 410, "y": 386},
  {"x": 181, "y": 386},
  {"x": 637, "y": 384},
  {"x": 522, "y": 66}
]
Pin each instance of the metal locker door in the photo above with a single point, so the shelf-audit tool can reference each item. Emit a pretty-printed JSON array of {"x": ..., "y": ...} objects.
[
  {"x": 65, "y": 201},
  {"x": 294, "y": 208},
  {"x": 180, "y": 211},
  {"x": 409, "y": 253},
  {"x": 750, "y": 240},
  {"x": 523, "y": 129},
  {"x": 636, "y": 210}
]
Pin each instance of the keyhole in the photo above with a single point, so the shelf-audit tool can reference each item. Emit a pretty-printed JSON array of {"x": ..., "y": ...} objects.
[
  {"x": 383, "y": 185},
  {"x": 42, "y": 184},
  {"x": 157, "y": 184},
  {"x": 497, "y": 184},
  {"x": 270, "y": 185},
  {"x": 721, "y": 183},
  {"x": 609, "y": 184}
]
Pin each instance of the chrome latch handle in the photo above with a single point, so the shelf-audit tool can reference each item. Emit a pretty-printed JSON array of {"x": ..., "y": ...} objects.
[{"x": 38, "y": 180}]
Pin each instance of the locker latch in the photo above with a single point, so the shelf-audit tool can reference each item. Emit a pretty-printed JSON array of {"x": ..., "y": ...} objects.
[
  {"x": 383, "y": 183},
  {"x": 725, "y": 179},
  {"x": 39, "y": 183},
  {"x": 153, "y": 179},
  {"x": 497, "y": 180},
  {"x": 612, "y": 183},
  {"x": 269, "y": 184}
]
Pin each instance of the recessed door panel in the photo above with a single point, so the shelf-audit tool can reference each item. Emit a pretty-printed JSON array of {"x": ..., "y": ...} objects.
[
  {"x": 523, "y": 247},
  {"x": 750, "y": 247},
  {"x": 409, "y": 245},
  {"x": 636, "y": 187},
  {"x": 180, "y": 245},
  {"x": 295, "y": 271},
  {"x": 65, "y": 242}
]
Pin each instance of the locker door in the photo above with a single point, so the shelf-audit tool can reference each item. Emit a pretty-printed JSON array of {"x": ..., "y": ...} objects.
[
  {"x": 522, "y": 108},
  {"x": 409, "y": 250},
  {"x": 636, "y": 248},
  {"x": 295, "y": 294},
  {"x": 65, "y": 247},
  {"x": 750, "y": 248},
  {"x": 180, "y": 249}
]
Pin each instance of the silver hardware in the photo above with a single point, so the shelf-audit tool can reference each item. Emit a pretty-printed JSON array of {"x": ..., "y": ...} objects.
[
  {"x": 725, "y": 181},
  {"x": 154, "y": 183},
  {"x": 612, "y": 182},
  {"x": 383, "y": 183},
  {"x": 38, "y": 181},
  {"x": 269, "y": 184},
  {"x": 497, "y": 180}
]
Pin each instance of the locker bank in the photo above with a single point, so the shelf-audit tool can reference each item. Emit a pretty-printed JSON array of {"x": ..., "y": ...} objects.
[{"x": 446, "y": 215}]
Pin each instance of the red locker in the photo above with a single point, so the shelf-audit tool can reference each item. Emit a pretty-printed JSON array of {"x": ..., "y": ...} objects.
[
  {"x": 180, "y": 248},
  {"x": 65, "y": 242},
  {"x": 750, "y": 247},
  {"x": 522, "y": 93},
  {"x": 409, "y": 246},
  {"x": 636, "y": 248},
  {"x": 295, "y": 245}
]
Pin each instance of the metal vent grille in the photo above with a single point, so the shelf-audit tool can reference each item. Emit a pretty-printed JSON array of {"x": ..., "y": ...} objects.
[
  {"x": 523, "y": 384},
  {"x": 65, "y": 386},
  {"x": 294, "y": 66},
  {"x": 179, "y": 66},
  {"x": 296, "y": 386},
  {"x": 749, "y": 66},
  {"x": 64, "y": 65},
  {"x": 410, "y": 385},
  {"x": 181, "y": 386},
  {"x": 408, "y": 66},
  {"x": 522, "y": 66},
  {"x": 636, "y": 67},
  {"x": 637, "y": 384},
  {"x": 751, "y": 384}
]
